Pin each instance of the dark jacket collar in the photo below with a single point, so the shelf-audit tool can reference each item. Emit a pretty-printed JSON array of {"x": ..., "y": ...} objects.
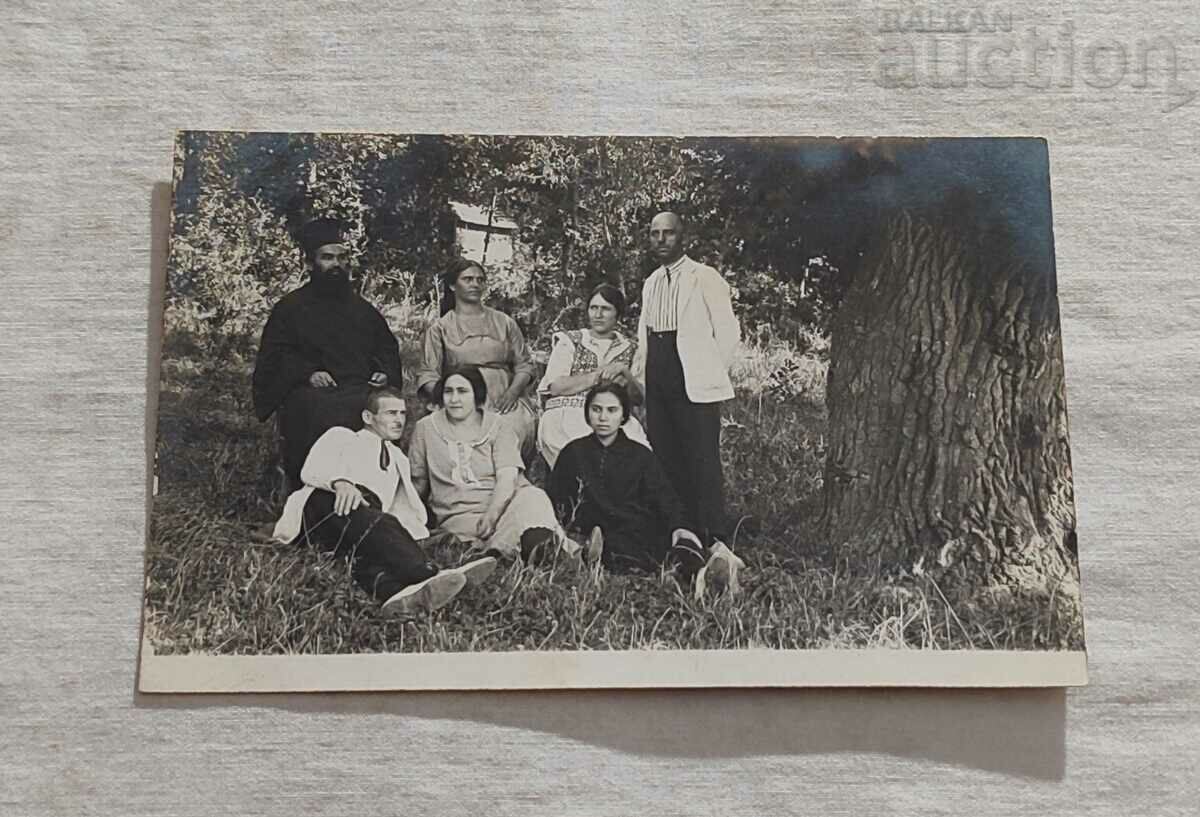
[{"x": 620, "y": 440}]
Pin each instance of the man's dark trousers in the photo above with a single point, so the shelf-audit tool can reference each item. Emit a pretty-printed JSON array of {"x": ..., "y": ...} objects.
[
  {"x": 686, "y": 436},
  {"x": 384, "y": 557}
]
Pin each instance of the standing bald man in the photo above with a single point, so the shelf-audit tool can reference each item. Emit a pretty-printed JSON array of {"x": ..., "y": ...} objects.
[{"x": 687, "y": 335}]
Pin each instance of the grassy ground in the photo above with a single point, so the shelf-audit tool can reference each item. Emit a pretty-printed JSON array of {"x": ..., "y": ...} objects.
[{"x": 214, "y": 584}]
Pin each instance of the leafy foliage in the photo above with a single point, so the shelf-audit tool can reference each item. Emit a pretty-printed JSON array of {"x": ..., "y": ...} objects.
[{"x": 581, "y": 206}]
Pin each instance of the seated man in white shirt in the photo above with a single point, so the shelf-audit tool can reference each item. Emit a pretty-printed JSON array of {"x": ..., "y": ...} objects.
[{"x": 358, "y": 500}]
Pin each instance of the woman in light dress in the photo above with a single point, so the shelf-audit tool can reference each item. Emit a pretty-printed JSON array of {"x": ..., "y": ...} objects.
[
  {"x": 468, "y": 333},
  {"x": 467, "y": 462},
  {"x": 580, "y": 359}
]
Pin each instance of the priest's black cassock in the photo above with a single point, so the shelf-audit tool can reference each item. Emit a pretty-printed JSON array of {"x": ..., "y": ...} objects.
[{"x": 322, "y": 326}]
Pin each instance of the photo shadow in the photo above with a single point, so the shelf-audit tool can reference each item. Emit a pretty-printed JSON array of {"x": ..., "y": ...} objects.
[
  {"x": 1016, "y": 732},
  {"x": 160, "y": 222}
]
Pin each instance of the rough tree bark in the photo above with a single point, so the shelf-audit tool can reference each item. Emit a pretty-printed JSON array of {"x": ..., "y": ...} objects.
[{"x": 948, "y": 442}]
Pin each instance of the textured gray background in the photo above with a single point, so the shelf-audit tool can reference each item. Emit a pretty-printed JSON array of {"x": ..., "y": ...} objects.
[{"x": 90, "y": 96}]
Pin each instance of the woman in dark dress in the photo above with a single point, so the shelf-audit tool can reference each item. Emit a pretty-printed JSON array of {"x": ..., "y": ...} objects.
[{"x": 614, "y": 492}]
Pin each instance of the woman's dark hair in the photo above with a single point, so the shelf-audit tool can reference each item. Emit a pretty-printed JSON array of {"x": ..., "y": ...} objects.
[
  {"x": 473, "y": 376},
  {"x": 611, "y": 294},
  {"x": 450, "y": 277},
  {"x": 615, "y": 389}
]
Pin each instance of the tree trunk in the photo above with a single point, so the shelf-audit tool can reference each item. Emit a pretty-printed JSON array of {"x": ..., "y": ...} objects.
[{"x": 948, "y": 426}]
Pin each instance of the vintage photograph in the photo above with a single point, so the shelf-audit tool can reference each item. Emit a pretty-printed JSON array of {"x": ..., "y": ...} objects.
[{"x": 626, "y": 396}]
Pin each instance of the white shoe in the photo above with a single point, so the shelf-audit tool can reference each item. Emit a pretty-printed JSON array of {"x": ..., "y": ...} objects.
[
  {"x": 721, "y": 571},
  {"x": 476, "y": 571},
  {"x": 436, "y": 591},
  {"x": 595, "y": 547}
]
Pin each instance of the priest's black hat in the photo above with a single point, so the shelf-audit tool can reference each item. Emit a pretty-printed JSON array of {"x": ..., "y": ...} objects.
[{"x": 321, "y": 231}]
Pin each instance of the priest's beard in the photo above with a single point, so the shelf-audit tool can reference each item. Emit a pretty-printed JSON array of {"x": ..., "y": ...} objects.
[{"x": 334, "y": 284}]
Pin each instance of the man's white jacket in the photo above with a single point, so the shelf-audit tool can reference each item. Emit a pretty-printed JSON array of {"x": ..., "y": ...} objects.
[
  {"x": 707, "y": 332},
  {"x": 354, "y": 455}
]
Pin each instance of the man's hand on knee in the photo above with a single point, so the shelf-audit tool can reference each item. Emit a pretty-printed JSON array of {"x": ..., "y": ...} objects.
[{"x": 346, "y": 497}]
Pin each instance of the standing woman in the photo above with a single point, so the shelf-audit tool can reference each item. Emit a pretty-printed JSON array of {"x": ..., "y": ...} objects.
[
  {"x": 467, "y": 462},
  {"x": 471, "y": 334},
  {"x": 581, "y": 359}
]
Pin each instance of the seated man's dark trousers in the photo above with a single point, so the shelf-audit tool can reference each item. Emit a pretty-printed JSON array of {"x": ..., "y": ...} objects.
[{"x": 384, "y": 557}]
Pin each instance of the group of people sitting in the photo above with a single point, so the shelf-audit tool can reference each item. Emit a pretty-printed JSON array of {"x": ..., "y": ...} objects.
[{"x": 616, "y": 497}]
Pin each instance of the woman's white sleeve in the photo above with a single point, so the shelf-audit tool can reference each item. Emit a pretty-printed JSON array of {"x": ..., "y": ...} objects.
[{"x": 559, "y": 363}]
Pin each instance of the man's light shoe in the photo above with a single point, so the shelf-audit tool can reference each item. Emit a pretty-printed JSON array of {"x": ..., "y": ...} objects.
[
  {"x": 436, "y": 591},
  {"x": 476, "y": 571}
]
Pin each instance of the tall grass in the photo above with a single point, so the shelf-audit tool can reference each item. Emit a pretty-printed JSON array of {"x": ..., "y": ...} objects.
[
  {"x": 211, "y": 588},
  {"x": 769, "y": 365},
  {"x": 216, "y": 584}
]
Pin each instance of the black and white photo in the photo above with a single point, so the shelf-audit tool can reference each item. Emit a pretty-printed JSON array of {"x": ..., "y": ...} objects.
[{"x": 565, "y": 411}]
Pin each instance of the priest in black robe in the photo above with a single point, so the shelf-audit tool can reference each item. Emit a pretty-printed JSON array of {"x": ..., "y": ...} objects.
[{"x": 322, "y": 349}]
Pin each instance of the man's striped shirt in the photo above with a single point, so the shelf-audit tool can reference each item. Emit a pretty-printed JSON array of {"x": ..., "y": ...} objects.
[{"x": 662, "y": 301}]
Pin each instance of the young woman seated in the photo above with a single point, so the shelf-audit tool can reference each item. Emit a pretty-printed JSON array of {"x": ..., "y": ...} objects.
[
  {"x": 614, "y": 492},
  {"x": 580, "y": 359},
  {"x": 467, "y": 461}
]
